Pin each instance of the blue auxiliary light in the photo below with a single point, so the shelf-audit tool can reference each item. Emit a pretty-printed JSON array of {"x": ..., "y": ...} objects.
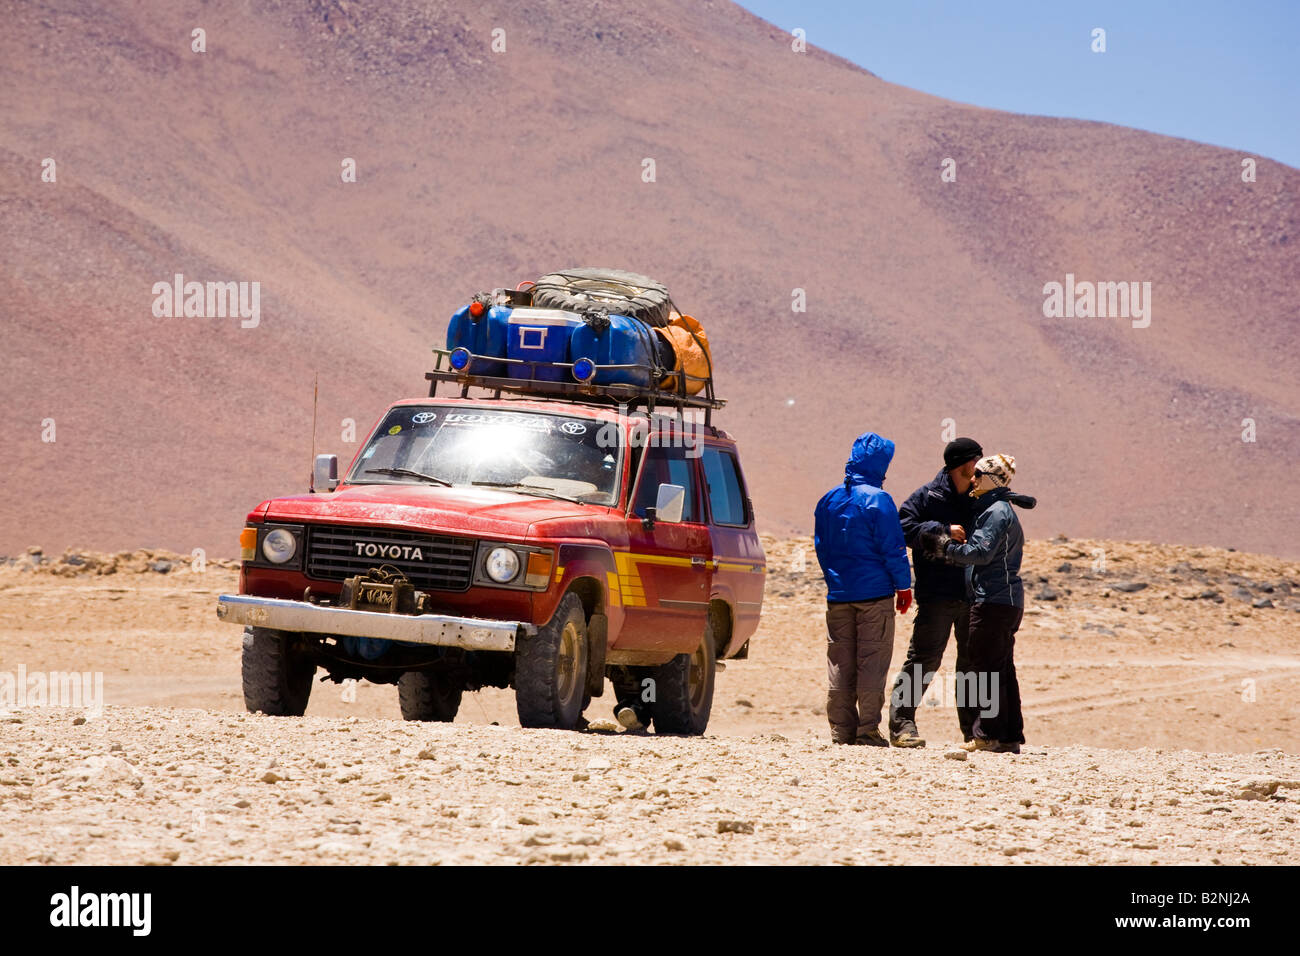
[
  {"x": 460, "y": 359},
  {"x": 584, "y": 370}
]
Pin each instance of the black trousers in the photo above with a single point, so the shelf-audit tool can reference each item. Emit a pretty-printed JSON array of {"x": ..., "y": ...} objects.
[
  {"x": 992, "y": 651},
  {"x": 934, "y": 620}
]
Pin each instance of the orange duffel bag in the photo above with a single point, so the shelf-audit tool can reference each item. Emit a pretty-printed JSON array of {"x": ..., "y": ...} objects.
[{"x": 691, "y": 346}]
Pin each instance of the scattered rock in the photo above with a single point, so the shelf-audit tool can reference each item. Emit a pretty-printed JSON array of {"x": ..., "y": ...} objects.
[
  {"x": 735, "y": 826},
  {"x": 101, "y": 772},
  {"x": 271, "y": 777},
  {"x": 1100, "y": 629},
  {"x": 956, "y": 754},
  {"x": 1046, "y": 594},
  {"x": 1261, "y": 788},
  {"x": 1129, "y": 587}
]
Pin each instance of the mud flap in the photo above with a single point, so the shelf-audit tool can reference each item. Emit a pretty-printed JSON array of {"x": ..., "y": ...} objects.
[{"x": 597, "y": 639}]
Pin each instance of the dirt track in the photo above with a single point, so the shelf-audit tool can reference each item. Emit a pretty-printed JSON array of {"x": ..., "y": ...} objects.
[{"x": 1104, "y": 671}]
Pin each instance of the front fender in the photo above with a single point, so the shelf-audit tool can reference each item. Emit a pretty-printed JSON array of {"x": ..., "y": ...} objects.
[{"x": 583, "y": 560}]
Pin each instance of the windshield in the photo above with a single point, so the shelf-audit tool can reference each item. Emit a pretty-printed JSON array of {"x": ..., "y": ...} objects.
[{"x": 528, "y": 452}]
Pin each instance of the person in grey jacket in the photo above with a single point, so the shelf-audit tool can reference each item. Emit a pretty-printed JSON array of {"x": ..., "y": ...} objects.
[{"x": 992, "y": 555}]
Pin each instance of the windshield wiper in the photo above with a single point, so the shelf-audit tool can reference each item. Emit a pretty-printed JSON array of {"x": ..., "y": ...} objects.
[
  {"x": 408, "y": 473},
  {"x": 535, "y": 489}
]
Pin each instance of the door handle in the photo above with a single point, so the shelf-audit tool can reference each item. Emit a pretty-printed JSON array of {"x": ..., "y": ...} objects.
[{"x": 699, "y": 563}]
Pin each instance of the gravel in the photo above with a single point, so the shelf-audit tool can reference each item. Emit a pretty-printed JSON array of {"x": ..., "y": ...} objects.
[{"x": 193, "y": 787}]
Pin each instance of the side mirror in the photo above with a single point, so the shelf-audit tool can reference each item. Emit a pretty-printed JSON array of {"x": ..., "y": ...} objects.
[
  {"x": 669, "y": 503},
  {"x": 325, "y": 473}
]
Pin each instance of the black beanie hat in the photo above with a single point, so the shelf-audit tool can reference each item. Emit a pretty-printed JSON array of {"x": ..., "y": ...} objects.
[{"x": 961, "y": 450}]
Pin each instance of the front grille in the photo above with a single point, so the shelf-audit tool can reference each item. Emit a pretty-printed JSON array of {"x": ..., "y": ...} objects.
[{"x": 443, "y": 564}]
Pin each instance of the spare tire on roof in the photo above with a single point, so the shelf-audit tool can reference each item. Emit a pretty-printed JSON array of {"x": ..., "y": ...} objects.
[{"x": 623, "y": 293}]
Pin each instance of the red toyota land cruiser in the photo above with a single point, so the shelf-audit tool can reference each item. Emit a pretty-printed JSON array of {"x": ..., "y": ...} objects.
[{"x": 540, "y": 542}]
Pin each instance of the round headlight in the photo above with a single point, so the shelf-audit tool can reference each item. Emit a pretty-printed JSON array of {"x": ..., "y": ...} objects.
[
  {"x": 279, "y": 546},
  {"x": 501, "y": 565}
]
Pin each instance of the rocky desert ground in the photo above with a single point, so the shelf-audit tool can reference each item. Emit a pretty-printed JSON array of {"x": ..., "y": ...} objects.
[{"x": 1160, "y": 685}]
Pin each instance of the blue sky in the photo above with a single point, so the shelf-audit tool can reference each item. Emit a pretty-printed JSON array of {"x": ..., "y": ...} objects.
[{"x": 1226, "y": 73}]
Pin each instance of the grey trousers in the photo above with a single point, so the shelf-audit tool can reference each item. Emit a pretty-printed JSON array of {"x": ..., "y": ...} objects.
[{"x": 859, "y": 644}]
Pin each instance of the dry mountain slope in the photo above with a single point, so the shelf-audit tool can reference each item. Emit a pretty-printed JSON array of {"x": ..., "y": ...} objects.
[{"x": 775, "y": 171}]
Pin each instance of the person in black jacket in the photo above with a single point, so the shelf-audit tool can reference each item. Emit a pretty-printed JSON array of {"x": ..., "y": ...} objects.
[{"x": 941, "y": 507}]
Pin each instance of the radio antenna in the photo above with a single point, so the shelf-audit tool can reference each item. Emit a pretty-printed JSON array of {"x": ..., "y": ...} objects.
[{"x": 315, "y": 395}]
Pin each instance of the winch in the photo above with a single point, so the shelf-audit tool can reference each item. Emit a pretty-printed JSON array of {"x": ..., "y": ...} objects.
[{"x": 382, "y": 589}]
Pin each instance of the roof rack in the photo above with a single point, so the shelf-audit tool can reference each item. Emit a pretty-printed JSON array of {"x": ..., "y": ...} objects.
[{"x": 444, "y": 370}]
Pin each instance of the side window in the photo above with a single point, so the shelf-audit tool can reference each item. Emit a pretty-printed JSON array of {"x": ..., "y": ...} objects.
[
  {"x": 666, "y": 466},
  {"x": 726, "y": 494}
]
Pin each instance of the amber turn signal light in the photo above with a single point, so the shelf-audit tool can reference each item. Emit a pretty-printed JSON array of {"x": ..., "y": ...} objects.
[
  {"x": 539, "y": 568},
  {"x": 248, "y": 544}
]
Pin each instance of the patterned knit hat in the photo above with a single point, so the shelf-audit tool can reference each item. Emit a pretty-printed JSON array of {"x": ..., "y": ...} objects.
[{"x": 992, "y": 471}]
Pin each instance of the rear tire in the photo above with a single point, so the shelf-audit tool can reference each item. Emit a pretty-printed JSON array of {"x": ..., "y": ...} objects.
[
  {"x": 619, "y": 292},
  {"x": 684, "y": 691},
  {"x": 551, "y": 669},
  {"x": 429, "y": 696},
  {"x": 277, "y": 673}
]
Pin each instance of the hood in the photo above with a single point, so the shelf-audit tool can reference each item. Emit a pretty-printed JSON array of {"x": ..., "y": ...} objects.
[
  {"x": 459, "y": 510},
  {"x": 869, "y": 461}
]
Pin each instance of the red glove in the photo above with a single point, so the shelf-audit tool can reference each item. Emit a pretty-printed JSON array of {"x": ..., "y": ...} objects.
[{"x": 903, "y": 600}]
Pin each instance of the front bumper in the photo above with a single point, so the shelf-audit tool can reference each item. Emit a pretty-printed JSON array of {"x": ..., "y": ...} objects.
[{"x": 445, "y": 630}]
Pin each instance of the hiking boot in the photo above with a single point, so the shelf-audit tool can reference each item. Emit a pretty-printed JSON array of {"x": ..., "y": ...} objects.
[
  {"x": 989, "y": 746},
  {"x": 871, "y": 738},
  {"x": 630, "y": 719},
  {"x": 906, "y": 736}
]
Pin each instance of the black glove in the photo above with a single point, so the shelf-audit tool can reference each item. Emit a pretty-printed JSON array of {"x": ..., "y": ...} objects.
[
  {"x": 1022, "y": 501},
  {"x": 935, "y": 545}
]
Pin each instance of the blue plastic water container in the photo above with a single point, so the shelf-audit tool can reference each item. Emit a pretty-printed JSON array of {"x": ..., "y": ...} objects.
[
  {"x": 540, "y": 335},
  {"x": 625, "y": 341},
  {"x": 485, "y": 335}
]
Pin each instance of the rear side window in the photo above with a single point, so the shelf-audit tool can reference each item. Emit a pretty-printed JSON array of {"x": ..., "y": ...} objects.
[
  {"x": 666, "y": 466},
  {"x": 726, "y": 494}
]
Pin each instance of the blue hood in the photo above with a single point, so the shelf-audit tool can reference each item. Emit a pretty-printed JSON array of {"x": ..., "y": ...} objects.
[{"x": 869, "y": 461}]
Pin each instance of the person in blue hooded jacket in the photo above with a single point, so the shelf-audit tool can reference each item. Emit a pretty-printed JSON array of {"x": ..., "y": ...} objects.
[{"x": 863, "y": 557}]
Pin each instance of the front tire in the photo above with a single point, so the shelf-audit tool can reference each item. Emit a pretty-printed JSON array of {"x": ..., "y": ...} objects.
[
  {"x": 551, "y": 669},
  {"x": 429, "y": 696},
  {"x": 684, "y": 691},
  {"x": 277, "y": 672}
]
